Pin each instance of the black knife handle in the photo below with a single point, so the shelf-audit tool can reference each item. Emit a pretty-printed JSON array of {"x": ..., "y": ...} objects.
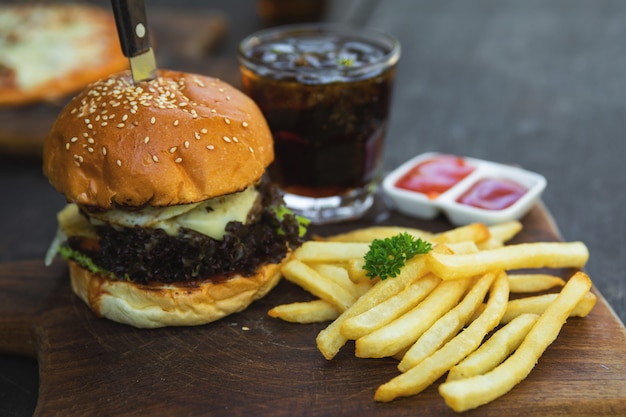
[{"x": 132, "y": 26}]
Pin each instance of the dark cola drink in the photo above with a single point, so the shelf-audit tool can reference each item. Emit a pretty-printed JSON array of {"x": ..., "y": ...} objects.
[{"x": 325, "y": 93}]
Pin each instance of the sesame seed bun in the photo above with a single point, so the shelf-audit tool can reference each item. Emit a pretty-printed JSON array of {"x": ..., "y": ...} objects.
[
  {"x": 178, "y": 139},
  {"x": 152, "y": 306}
]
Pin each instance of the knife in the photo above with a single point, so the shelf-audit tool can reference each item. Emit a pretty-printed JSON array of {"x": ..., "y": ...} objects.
[{"x": 132, "y": 28}]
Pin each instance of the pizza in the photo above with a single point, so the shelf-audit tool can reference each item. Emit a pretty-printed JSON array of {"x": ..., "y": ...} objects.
[{"x": 49, "y": 50}]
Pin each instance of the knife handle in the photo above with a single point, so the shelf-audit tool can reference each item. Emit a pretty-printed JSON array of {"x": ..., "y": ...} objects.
[{"x": 132, "y": 26}]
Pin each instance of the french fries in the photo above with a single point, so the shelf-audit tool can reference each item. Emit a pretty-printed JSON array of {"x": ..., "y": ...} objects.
[
  {"x": 468, "y": 393},
  {"x": 523, "y": 255},
  {"x": 300, "y": 273},
  {"x": 315, "y": 311},
  {"x": 330, "y": 340},
  {"x": 539, "y": 303},
  {"x": 406, "y": 329},
  {"x": 496, "y": 349},
  {"x": 447, "y": 326},
  {"x": 390, "y": 309},
  {"x": 432, "y": 317},
  {"x": 523, "y": 283},
  {"x": 416, "y": 379}
]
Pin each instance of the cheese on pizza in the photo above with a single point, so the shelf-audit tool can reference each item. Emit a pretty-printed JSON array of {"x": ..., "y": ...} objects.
[{"x": 49, "y": 50}]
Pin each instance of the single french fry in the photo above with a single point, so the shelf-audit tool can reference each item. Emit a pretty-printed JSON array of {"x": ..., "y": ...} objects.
[
  {"x": 469, "y": 393},
  {"x": 447, "y": 326},
  {"x": 368, "y": 234},
  {"x": 523, "y": 255},
  {"x": 495, "y": 350},
  {"x": 416, "y": 379},
  {"x": 340, "y": 275},
  {"x": 306, "y": 277},
  {"x": 505, "y": 231},
  {"x": 330, "y": 340},
  {"x": 316, "y": 311},
  {"x": 459, "y": 248},
  {"x": 537, "y": 304},
  {"x": 356, "y": 271},
  {"x": 526, "y": 283},
  {"x": 406, "y": 329},
  {"x": 333, "y": 252},
  {"x": 390, "y": 309},
  {"x": 475, "y": 232}
]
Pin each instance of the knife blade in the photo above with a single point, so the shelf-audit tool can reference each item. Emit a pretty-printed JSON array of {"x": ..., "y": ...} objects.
[{"x": 132, "y": 28}]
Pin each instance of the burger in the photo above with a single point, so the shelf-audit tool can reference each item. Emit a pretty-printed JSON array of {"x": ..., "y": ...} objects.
[{"x": 170, "y": 219}]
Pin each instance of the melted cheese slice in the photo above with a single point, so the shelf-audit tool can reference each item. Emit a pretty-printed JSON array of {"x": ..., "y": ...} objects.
[{"x": 209, "y": 217}]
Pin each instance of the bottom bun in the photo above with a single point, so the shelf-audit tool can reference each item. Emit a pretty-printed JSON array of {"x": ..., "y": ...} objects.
[{"x": 151, "y": 306}]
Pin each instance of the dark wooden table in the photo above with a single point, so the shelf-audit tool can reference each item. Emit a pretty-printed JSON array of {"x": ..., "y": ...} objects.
[{"x": 538, "y": 83}]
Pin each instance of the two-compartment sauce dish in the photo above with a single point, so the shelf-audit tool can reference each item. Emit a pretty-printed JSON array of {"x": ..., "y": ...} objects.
[{"x": 465, "y": 189}]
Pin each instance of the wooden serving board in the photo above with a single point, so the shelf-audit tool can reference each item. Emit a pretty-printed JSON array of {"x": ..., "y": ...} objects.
[{"x": 250, "y": 364}]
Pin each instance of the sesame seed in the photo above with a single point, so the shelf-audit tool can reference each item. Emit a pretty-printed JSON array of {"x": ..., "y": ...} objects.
[
  {"x": 85, "y": 135},
  {"x": 124, "y": 118},
  {"x": 120, "y": 125},
  {"x": 221, "y": 90},
  {"x": 227, "y": 98},
  {"x": 67, "y": 146},
  {"x": 90, "y": 149},
  {"x": 104, "y": 124},
  {"x": 178, "y": 160},
  {"x": 90, "y": 140},
  {"x": 90, "y": 126},
  {"x": 183, "y": 104},
  {"x": 186, "y": 144},
  {"x": 203, "y": 131},
  {"x": 226, "y": 139},
  {"x": 213, "y": 111},
  {"x": 210, "y": 147},
  {"x": 176, "y": 122},
  {"x": 197, "y": 135},
  {"x": 250, "y": 149},
  {"x": 244, "y": 124},
  {"x": 146, "y": 139},
  {"x": 112, "y": 116},
  {"x": 173, "y": 149},
  {"x": 119, "y": 163},
  {"x": 153, "y": 120},
  {"x": 104, "y": 151},
  {"x": 235, "y": 139},
  {"x": 155, "y": 158},
  {"x": 77, "y": 163},
  {"x": 87, "y": 121},
  {"x": 74, "y": 139},
  {"x": 227, "y": 120}
]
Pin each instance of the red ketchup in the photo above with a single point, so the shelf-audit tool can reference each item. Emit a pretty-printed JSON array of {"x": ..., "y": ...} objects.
[
  {"x": 436, "y": 175},
  {"x": 493, "y": 194}
]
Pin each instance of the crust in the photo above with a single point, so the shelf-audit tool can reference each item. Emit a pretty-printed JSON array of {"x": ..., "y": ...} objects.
[
  {"x": 160, "y": 306},
  {"x": 95, "y": 53},
  {"x": 179, "y": 139}
]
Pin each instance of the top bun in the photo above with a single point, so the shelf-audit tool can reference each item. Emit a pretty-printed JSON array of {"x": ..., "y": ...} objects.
[{"x": 178, "y": 139}]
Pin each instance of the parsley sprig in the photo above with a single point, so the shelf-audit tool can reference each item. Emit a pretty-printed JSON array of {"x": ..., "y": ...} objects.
[{"x": 386, "y": 257}]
